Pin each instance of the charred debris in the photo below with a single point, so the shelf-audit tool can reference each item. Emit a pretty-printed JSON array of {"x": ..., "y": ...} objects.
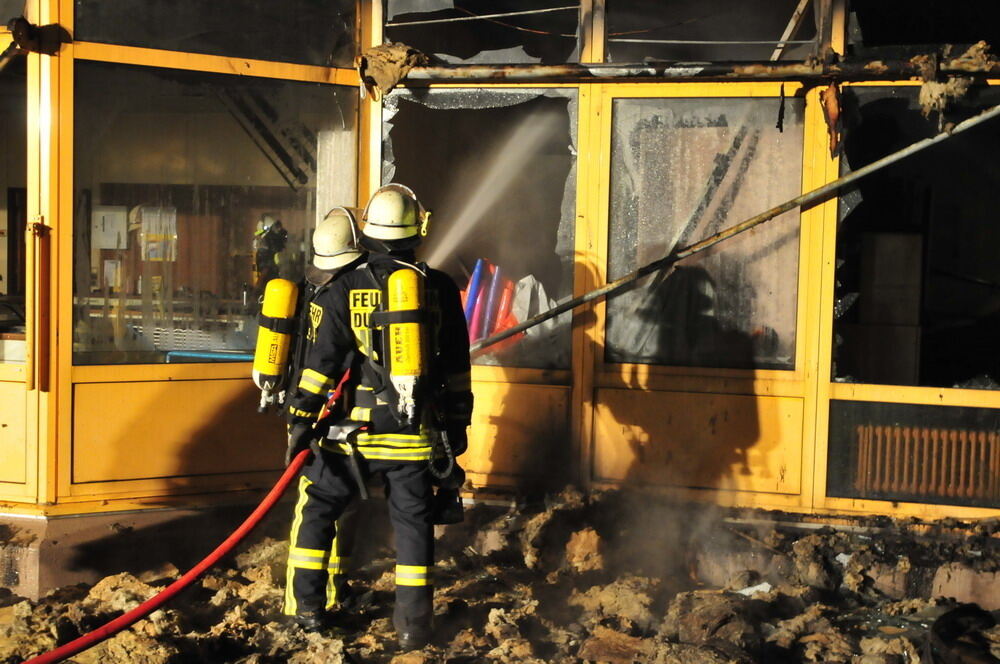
[{"x": 606, "y": 577}]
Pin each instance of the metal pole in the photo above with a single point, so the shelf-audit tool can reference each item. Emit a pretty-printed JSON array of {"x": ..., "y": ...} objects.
[
  {"x": 793, "y": 26},
  {"x": 805, "y": 199},
  {"x": 766, "y": 70},
  {"x": 479, "y": 17},
  {"x": 780, "y": 43}
]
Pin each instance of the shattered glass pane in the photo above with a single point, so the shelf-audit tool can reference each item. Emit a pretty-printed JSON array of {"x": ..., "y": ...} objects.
[
  {"x": 843, "y": 304},
  {"x": 915, "y": 453},
  {"x": 917, "y": 243},
  {"x": 682, "y": 170},
  {"x": 498, "y": 169},
  {"x": 511, "y": 31},
  {"x": 177, "y": 230},
  {"x": 690, "y": 30},
  {"x": 301, "y": 31}
]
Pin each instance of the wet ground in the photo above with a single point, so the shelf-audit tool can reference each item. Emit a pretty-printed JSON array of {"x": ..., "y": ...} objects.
[{"x": 609, "y": 577}]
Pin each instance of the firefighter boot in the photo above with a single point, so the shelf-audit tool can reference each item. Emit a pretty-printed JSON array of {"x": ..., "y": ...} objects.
[
  {"x": 312, "y": 621},
  {"x": 414, "y": 640}
]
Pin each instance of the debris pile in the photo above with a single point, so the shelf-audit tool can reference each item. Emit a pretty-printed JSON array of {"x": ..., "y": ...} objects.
[{"x": 609, "y": 577}]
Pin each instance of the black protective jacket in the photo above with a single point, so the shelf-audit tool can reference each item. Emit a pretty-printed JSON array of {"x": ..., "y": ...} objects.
[{"x": 339, "y": 329}]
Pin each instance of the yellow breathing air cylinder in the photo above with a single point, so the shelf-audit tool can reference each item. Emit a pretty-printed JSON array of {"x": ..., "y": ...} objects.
[
  {"x": 274, "y": 338},
  {"x": 406, "y": 347}
]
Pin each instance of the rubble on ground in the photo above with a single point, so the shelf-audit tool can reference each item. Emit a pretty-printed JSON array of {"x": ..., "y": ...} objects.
[{"x": 606, "y": 577}]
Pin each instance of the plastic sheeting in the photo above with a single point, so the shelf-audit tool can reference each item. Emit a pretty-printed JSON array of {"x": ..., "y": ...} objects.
[{"x": 683, "y": 169}]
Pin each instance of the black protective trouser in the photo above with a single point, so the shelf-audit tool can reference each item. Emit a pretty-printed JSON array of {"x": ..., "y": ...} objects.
[{"x": 316, "y": 564}]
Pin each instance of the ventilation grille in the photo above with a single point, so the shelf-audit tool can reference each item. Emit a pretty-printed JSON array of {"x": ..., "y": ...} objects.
[{"x": 921, "y": 462}]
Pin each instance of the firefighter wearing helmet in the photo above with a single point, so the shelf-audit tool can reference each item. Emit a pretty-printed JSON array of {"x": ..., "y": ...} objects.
[
  {"x": 400, "y": 327},
  {"x": 285, "y": 307}
]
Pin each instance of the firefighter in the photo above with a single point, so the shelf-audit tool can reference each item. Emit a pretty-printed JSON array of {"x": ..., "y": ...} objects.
[
  {"x": 335, "y": 250},
  {"x": 401, "y": 396},
  {"x": 269, "y": 242}
]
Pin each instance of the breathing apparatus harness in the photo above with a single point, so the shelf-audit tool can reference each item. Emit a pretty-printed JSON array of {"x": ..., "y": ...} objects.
[
  {"x": 399, "y": 360},
  {"x": 281, "y": 335}
]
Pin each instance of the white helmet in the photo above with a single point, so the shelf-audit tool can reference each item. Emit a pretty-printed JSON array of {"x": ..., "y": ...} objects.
[
  {"x": 335, "y": 240},
  {"x": 394, "y": 213}
]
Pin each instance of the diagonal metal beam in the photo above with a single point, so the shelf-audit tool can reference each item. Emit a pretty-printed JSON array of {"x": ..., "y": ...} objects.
[{"x": 794, "y": 23}]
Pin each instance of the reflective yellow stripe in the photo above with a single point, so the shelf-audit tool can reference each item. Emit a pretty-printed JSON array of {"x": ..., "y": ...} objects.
[
  {"x": 386, "y": 457},
  {"x": 460, "y": 382},
  {"x": 291, "y": 605},
  {"x": 382, "y": 453},
  {"x": 307, "y": 558},
  {"x": 361, "y": 414},
  {"x": 314, "y": 382},
  {"x": 385, "y": 454},
  {"x": 305, "y": 564},
  {"x": 302, "y": 413},
  {"x": 400, "y": 439},
  {"x": 412, "y": 575},
  {"x": 395, "y": 449},
  {"x": 337, "y": 565},
  {"x": 415, "y": 569}
]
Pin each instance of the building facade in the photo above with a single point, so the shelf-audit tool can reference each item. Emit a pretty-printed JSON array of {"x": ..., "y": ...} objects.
[{"x": 837, "y": 359}]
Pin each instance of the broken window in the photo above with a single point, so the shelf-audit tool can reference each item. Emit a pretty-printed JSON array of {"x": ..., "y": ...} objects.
[
  {"x": 916, "y": 453},
  {"x": 682, "y": 170},
  {"x": 178, "y": 229},
  {"x": 13, "y": 208},
  {"x": 917, "y": 280},
  {"x": 498, "y": 170},
  {"x": 717, "y": 30},
  {"x": 300, "y": 31},
  {"x": 901, "y": 28},
  {"x": 486, "y": 31}
]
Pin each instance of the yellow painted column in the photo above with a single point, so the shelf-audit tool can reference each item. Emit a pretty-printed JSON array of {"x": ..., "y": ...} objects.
[{"x": 370, "y": 121}]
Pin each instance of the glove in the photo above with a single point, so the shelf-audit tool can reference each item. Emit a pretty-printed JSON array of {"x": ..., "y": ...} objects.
[
  {"x": 458, "y": 439},
  {"x": 300, "y": 437}
]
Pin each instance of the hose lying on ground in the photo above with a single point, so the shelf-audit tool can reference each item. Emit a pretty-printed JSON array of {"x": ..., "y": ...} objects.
[{"x": 153, "y": 603}]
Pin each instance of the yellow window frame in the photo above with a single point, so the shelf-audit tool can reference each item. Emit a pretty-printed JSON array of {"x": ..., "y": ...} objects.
[
  {"x": 49, "y": 375},
  {"x": 827, "y": 389},
  {"x": 746, "y": 381}
]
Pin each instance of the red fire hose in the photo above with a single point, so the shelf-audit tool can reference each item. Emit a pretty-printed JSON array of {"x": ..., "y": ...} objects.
[{"x": 155, "y": 602}]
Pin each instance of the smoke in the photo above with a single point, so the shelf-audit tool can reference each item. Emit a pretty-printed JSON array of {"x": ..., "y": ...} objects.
[{"x": 507, "y": 161}]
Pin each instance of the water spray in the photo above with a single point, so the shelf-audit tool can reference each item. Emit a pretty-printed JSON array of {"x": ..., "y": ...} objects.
[{"x": 508, "y": 163}]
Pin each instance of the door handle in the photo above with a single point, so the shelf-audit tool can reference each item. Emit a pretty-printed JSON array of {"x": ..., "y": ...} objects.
[{"x": 36, "y": 301}]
